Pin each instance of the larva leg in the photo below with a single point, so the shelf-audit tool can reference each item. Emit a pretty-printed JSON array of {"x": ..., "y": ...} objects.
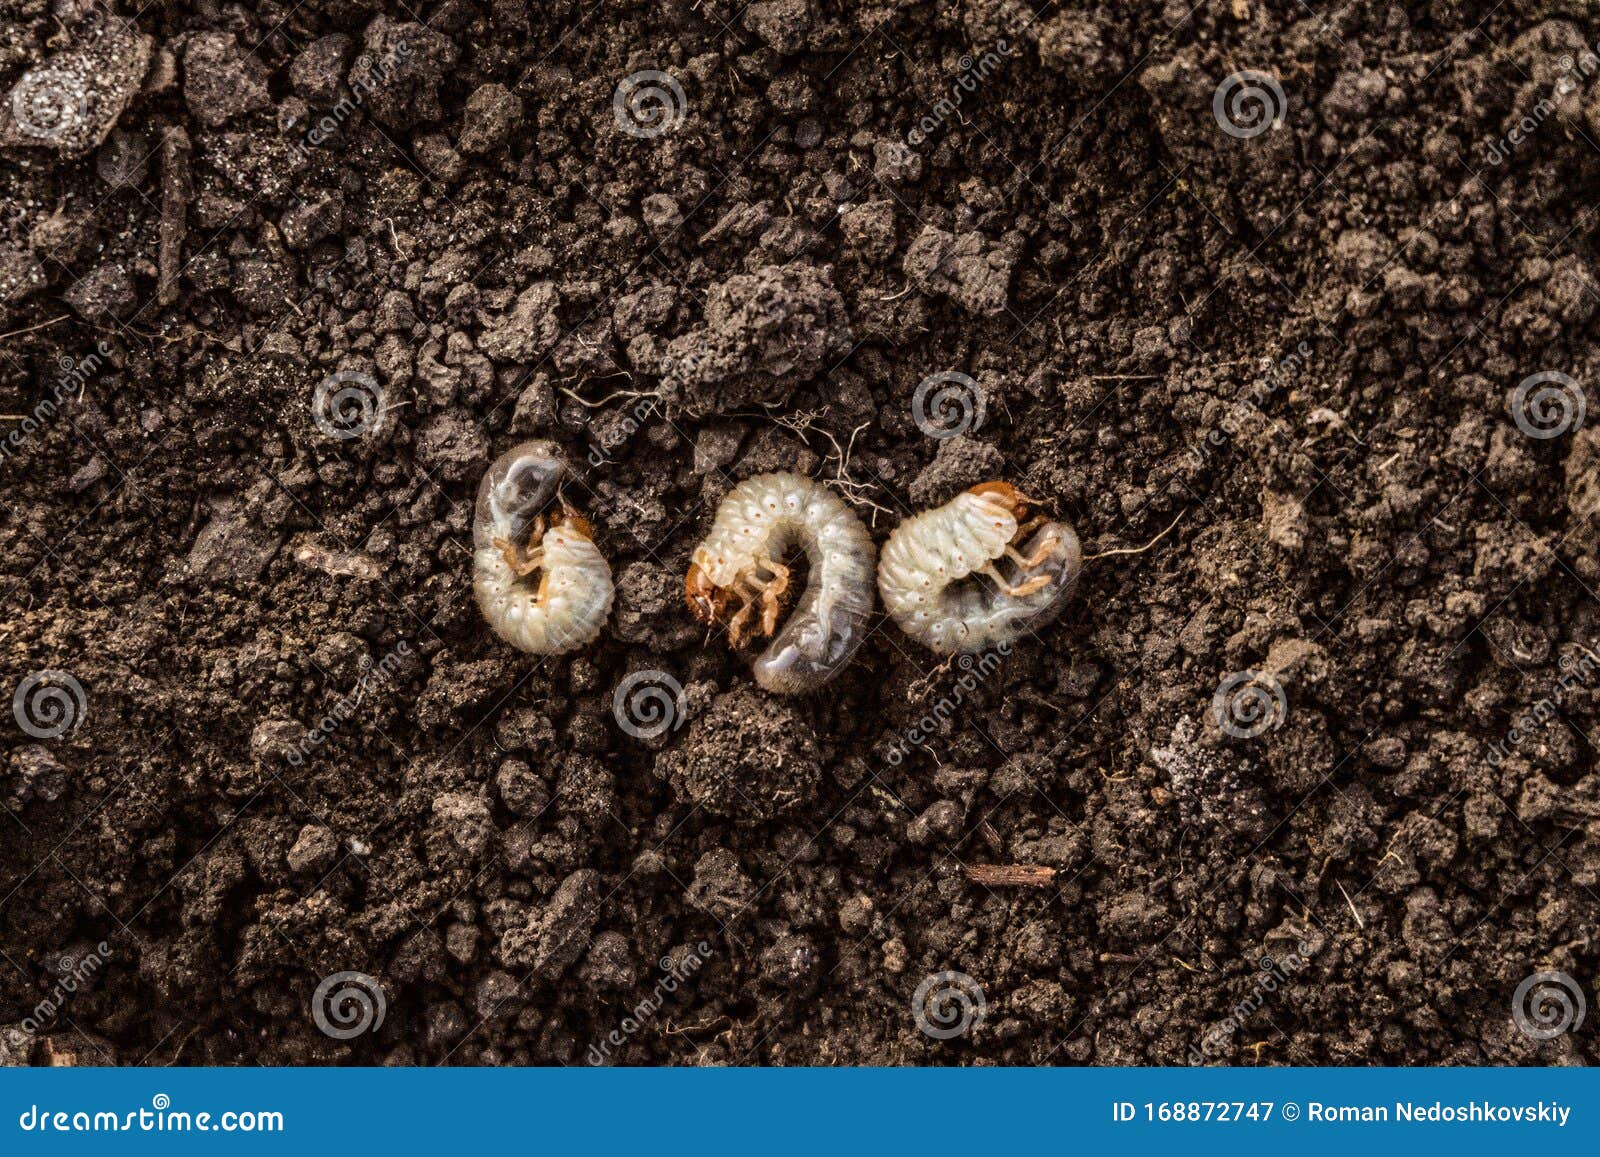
[
  {"x": 747, "y": 603},
  {"x": 1040, "y": 553},
  {"x": 736, "y": 625},
  {"x": 779, "y": 582},
  {"x": 1029, "y": 527},
  {"x": 1032, "y": 586},
  {"x": 520, "y": 564},
  {"x": 770, "y": 591},
  {"x": 523, "y": 561},
  {"x": 531, "y": 562},
  {"x": 1037, "y": 583},
  {"x": 771, "y": 605}
]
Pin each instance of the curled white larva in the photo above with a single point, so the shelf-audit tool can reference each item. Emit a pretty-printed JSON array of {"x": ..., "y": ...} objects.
[
  {"x": 737, "y": 575},
  {"x": 940, "y": 579},
  {"x": 540, "y": 581}
]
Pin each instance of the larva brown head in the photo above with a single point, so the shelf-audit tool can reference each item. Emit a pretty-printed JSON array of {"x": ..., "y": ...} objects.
[
  {"x": 707, "y": 600},
  {"x": 1006, "y": 495}
]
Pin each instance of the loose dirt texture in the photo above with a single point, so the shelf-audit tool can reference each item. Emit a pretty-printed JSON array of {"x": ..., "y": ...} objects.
[{"x": 300, "y": 751}]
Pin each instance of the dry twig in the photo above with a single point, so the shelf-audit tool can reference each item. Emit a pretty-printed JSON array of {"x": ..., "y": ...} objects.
[{"x": 1011, "y": 875}]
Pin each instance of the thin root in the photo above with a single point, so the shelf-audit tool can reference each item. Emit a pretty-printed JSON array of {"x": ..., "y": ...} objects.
[
  {"x": 611, "y": 397},
  {"x": 1139, "y": 549}
]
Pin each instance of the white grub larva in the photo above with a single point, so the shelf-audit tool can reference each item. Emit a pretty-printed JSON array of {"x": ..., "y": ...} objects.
[
  {"x": 740, "y": 564},
  {"x": 540, "y": 580},
  {"x": 940, "y": 582}
]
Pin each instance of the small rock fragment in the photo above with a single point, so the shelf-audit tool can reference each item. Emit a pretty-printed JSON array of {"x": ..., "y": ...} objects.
[
  {"x": 73, "y": 100},
  {"x": 749, "y": 757},
  {"x": 274, "y": 739},
  {"x": 40, "y": 775},
  {"x": 221, "y": 81},
  {"x": 466, "y": 818},
  {"x": 400, "y": 70},
  {"x": 766, "y": 333},
  {"x": 317, "y": 74},
  {"x": 967, "y": 269},
  {"x": 105, "y": 293},
  {"x": 895, "y": 163},
  {"x": 526, "y": 332},
  {"x": 550, "y": 941},
  {"x": 310, "y": 221},
  {"x": 231, "y": 547},
  {"x": 492, "y": 115},
  {"x": 521, "y": 789},
  {"x": 314, "y": 850},
  {"x": 784, "y": 25}
]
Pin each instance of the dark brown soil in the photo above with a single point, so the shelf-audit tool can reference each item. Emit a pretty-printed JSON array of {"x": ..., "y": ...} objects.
[{"x": 299, "y": 751}]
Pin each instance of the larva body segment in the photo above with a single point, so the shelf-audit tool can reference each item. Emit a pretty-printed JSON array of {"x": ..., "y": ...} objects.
[
  {"x": 541, "y": 582},
  {"x": 939, "y": 580},
  {"x": 740, "y": 562}
]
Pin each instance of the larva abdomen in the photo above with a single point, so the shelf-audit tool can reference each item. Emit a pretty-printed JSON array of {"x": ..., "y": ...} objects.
[
  {"x": 542, "y": 584},
  {"x": 940, "y": 575},
  {"x": 741, "y": 561}
]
